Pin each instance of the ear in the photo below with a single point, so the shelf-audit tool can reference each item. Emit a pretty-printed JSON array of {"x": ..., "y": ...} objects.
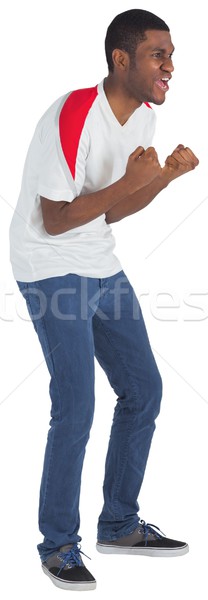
[{"x": 120, "y": 59}]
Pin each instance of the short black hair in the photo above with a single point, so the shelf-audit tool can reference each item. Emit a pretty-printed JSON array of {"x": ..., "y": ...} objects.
[{"x": 128, "y": 29}]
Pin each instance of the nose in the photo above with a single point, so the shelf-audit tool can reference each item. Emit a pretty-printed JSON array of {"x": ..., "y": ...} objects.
[{"x": 168, "y": 65}]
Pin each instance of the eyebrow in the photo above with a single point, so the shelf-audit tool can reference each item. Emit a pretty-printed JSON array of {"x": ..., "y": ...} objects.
[{"x": 162, "y": 50}]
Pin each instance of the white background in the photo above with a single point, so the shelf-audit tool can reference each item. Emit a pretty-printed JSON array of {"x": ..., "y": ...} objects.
[{"x": 48, "y": 49}]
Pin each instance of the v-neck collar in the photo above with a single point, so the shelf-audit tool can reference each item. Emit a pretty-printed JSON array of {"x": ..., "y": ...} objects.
[{"x": 111, "y": 115}]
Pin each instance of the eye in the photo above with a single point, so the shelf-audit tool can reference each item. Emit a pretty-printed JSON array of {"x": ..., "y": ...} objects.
[{"x": 162, "y": 56}]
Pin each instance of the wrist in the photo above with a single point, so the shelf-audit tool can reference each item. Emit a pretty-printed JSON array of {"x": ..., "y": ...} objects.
[
  {"x": 128, "y": 185},
  {"x": 166, "y": 176}
]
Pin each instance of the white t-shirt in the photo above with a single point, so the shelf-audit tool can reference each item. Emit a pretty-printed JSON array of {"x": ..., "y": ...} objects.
[{"x": 78, "y": 147}]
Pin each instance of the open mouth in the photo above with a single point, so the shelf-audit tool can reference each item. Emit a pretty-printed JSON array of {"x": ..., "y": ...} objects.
[{"x": 163, "y": 83}]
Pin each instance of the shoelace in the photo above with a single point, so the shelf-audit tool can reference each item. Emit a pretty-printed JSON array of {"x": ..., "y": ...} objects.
[
  {"x": 72, "y": 557},
  {"x": 150, "y": 528}
]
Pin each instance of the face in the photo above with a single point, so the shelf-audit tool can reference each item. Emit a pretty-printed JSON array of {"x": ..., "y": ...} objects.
[{"x": 148, "y": 76}]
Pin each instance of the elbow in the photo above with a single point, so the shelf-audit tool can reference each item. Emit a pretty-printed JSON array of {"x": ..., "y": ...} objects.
[
  {"x": 110, "y": 219},
  {"x": 51, "y": 228},
  {"x": 54, "y": 218},
  {"x": 56, "y": 227}
]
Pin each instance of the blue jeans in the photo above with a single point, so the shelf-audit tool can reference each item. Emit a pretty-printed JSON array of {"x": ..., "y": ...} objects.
[{"x": 77, "y": 318}]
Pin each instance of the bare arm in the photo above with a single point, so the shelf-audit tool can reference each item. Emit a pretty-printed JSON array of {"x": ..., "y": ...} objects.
[
  {"x": 181, "y": 161},
  {"x": 136, "y": 201},
  {"x": 58, "y": 217},
  {"x": 62, "y": 216}
]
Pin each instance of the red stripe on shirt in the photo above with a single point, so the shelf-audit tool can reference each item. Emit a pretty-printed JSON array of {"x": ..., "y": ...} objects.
[
  {"x": 148, "y": 105},
  {"x": 71, "y": 122}
]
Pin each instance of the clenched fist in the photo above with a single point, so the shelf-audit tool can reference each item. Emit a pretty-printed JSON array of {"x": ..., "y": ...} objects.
[
  {"x": 181, "y": 161},
  {"x": 142, "y": 167}
]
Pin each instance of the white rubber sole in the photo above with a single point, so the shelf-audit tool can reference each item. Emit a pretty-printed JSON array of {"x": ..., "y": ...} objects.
[
  {"x": 104, "y": 549},
  {"x": 67, "y": 585}
]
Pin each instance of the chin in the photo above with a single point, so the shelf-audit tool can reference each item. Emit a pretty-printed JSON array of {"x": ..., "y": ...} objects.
[{"x": 158, "y": 101}]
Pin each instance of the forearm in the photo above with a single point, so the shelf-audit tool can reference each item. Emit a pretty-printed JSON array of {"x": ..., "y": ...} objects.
[
  {"x": 83, "y": 209},
  {"x": 136, "y": 201}
]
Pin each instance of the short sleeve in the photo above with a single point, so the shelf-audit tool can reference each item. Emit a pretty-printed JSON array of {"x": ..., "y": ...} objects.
[{"x": 52, "y": 181}]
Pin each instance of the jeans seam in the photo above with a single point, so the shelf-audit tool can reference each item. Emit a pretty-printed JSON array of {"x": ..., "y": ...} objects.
[
  {"x": 49, "y": 352},
  {"x": 27, "y": 297},
  {"x": 47, "y": 482},
  {"x": 108, "y": 336},
  {"x": 119, "y": 477}
]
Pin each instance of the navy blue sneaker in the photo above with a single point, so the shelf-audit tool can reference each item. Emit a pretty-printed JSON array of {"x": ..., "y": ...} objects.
[
  {"x": 147, "y": 540},
  {"x": 67, "y": 571}
]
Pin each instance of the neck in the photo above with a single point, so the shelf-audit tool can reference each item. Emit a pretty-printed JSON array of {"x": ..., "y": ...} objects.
[{"x": 121, "y": 103}]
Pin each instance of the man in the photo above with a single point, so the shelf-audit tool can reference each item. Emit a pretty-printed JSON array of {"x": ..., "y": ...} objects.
[{"x": 90, "y": 164}]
